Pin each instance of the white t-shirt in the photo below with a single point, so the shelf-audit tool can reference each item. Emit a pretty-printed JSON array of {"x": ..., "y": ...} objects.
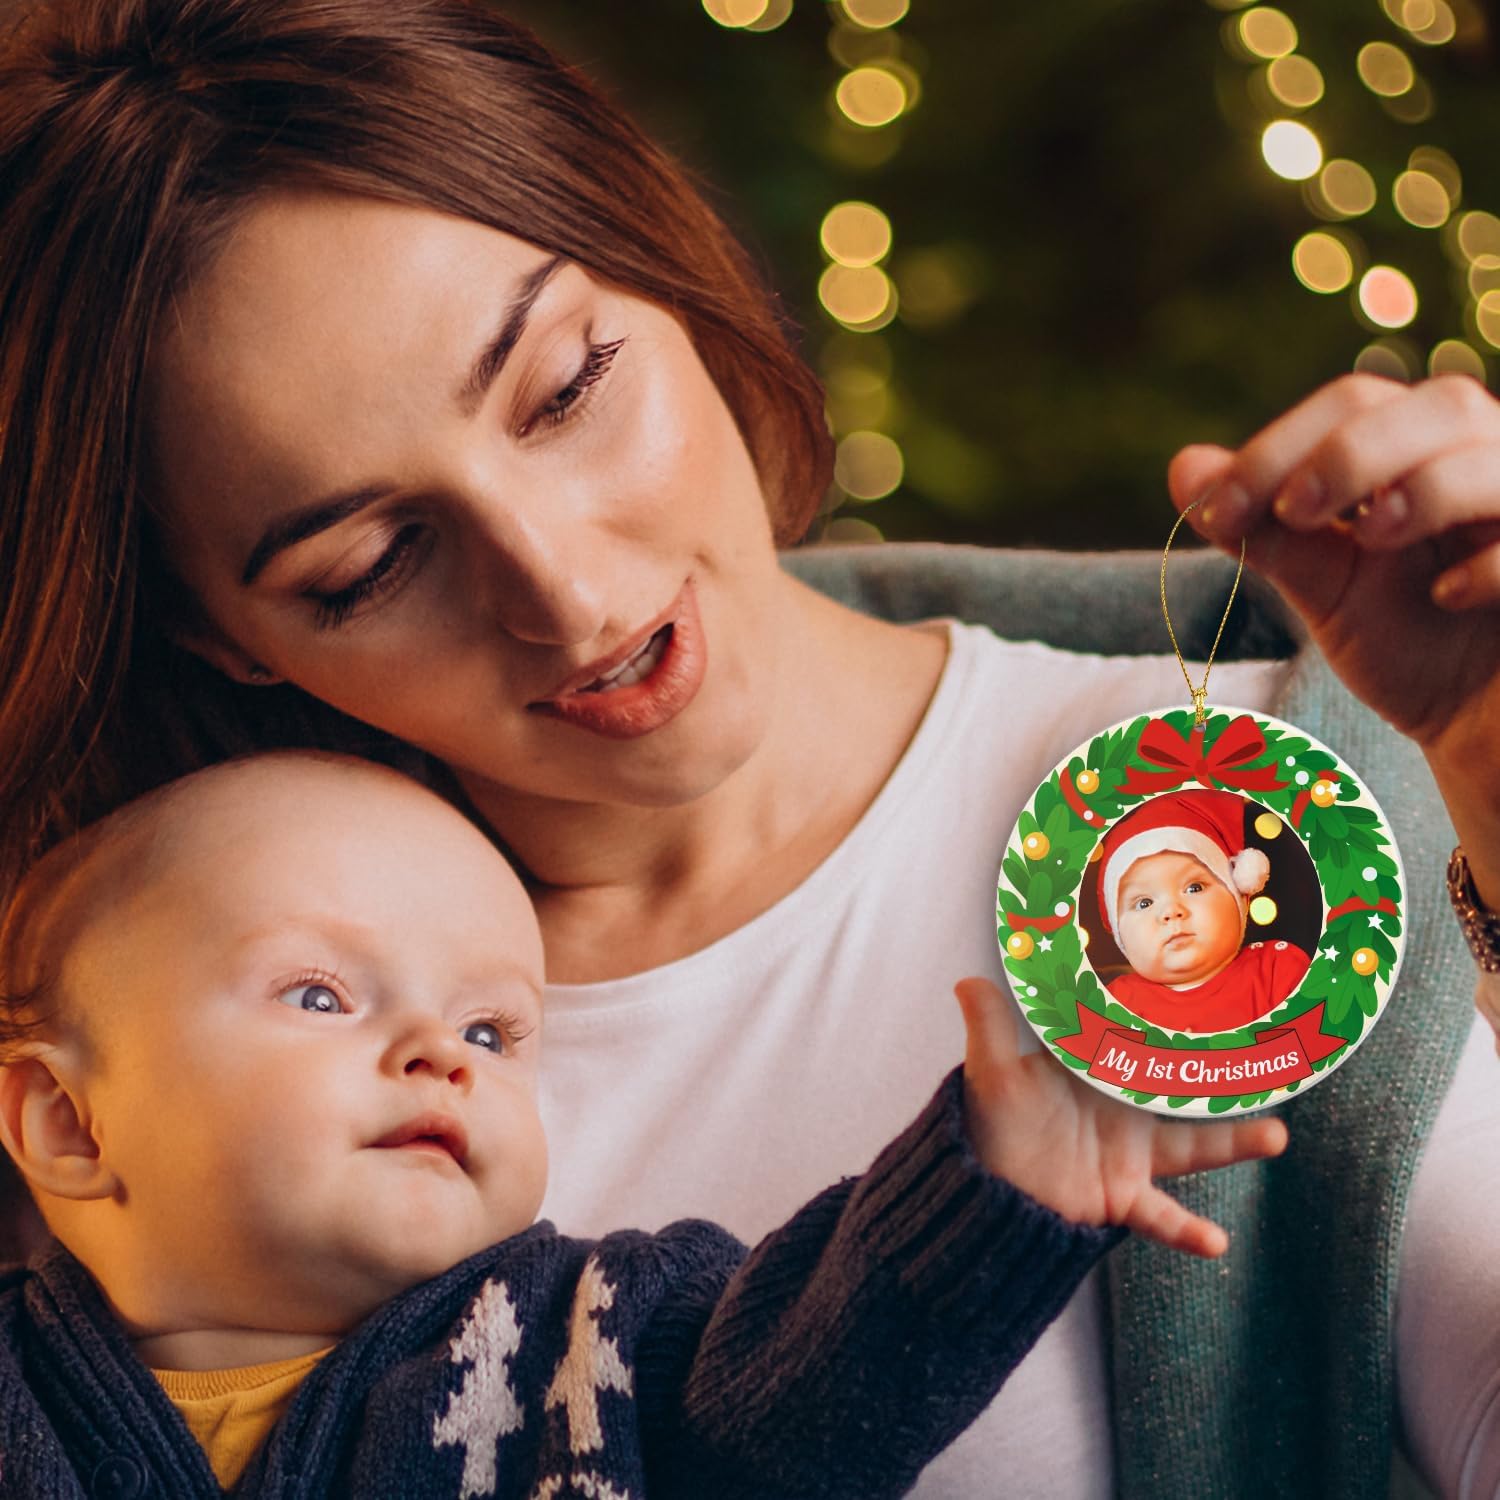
[{"x": 738, "y": 1082}]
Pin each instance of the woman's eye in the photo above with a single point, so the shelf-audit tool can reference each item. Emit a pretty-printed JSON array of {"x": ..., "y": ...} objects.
[
  {"x": 484, "y": 1034},
  {"x": 316, "y": 997},
  {"x": 594, "y": 368},
  {"x": 388, "y": 572}
]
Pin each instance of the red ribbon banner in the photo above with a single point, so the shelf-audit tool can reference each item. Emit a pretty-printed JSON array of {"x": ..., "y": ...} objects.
[
  {"x": 1279, "y": 1055},
  {"x": 1184, "y": 758}
]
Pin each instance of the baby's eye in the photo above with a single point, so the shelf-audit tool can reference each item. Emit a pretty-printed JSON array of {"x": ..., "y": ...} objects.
[
  {"x": 484, "y": 1034},
  {"x": 1140, "y": 903},
  {"x": 317, "y": 997},
  {"x": 1194, "y": 886}
]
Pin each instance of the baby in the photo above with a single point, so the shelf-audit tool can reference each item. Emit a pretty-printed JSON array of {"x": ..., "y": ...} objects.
[
  {"x": 1175, "y": 882},
  {"x": 270, "y": 1072}
]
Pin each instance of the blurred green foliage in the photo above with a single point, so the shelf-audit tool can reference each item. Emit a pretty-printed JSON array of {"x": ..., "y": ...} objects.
[{"x": 1090, "y": 174}]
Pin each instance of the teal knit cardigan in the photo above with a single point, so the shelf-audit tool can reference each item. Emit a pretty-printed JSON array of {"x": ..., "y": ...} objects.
[{"x": 1269, "y": 1373}]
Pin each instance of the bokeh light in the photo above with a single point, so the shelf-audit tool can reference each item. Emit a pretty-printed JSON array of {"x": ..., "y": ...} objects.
[
  {"x": 938, "y": 283},
  {"x": 1412, "y": 107},
  {"x": 1421, "y": 200},
  {"x": 856, "y": 234},
  {"x": 736, "y": 13},
  {"x": 1291, "y": 150},
  {"x": 1393, "y": 358},
  {"x": 876, "y": 13},
  {"x": 1347, "y": 188},
  {"x": 852, "y": 529},
  {"x": 1410, "y": 15},
  {"x": 1455, "y": 357},
  {"x": 1295, "y": 82},
  {"x": 1442, "y": 28},
  {"x": 868, "y": 465},
  {"x": 1322, "y": 262},
  {"x": 1479, "y": 234},
  {"x": 1484, "y": 276},
  {"x": 1385, "y": 69},
  {"x": 1266, "y": 32},
  {"x": 778, "y": 12},
  {"x": 1437, "y": 163},
  {"x": 1263, "y": 911},
  {"x": 1487, "y": 319},
  {"x": 1387, "y": 297},
  {"x": 860, "y": 297},
  {"x": 871, "y": 96}
]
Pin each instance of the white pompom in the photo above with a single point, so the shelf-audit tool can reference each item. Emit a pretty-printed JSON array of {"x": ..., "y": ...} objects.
[{"x": 1250, "y": 869}]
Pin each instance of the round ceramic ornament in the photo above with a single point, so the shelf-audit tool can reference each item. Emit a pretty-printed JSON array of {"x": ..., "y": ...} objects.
[{"x": 1201, "y": 909}]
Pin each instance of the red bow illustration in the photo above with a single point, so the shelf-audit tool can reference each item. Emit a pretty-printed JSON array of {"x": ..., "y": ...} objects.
[{"x": 1183, "y": 758}]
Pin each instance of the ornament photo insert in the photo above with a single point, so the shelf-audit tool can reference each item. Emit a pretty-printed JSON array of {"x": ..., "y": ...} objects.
[{"x": 1201, "y": 918}]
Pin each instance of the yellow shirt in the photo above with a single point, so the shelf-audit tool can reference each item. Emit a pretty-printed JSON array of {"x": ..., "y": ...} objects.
[{"x": 232, "y": 1412}]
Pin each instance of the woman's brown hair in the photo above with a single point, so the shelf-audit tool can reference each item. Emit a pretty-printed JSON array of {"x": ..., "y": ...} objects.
[{"x": 133, "y": 135}]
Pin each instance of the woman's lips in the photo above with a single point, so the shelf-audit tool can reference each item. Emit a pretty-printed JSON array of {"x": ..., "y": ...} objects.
[{"x": 626, "y": 713}]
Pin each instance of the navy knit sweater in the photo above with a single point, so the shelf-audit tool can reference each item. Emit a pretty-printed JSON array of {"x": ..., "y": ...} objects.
[{"x": 833, "y": 1360}]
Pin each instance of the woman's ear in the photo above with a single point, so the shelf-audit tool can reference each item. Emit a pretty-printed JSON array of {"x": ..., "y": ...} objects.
[
  {"x": 204, "y": 639},
  {"x": 46, "y": 1128}
]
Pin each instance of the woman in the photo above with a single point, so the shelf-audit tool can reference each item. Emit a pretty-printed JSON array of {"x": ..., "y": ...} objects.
[{"x": 369, "y": 381}]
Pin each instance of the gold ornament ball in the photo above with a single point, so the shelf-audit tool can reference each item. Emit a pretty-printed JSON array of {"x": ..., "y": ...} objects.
[
  {"x": 1365, "y": 961},
  {"x": 1323, "y": 793},
  {"x": 1268, "y": 825},
  {"x": 1088, "y": 781},
  {"x": 1036, "y": 845},
  {"x": 1097, "y": 852},
  {"x": 1020, "y": 945}
]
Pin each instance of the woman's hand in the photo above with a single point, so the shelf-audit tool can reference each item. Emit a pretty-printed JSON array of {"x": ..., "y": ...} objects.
[
  {"x": 1374, "y": 507},
  {"x": 1088, "y": 1157}
]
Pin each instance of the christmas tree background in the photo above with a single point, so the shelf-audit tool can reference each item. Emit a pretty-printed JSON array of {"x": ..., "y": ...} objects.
[{"x": 1091, "y": 254}]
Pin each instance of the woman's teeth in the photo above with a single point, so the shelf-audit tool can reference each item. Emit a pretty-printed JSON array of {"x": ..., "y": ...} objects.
[{"x": 637, "y": 669}]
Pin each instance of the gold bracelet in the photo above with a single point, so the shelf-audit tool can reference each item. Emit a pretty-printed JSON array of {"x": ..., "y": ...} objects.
[{"x": 1481, "y": 926}]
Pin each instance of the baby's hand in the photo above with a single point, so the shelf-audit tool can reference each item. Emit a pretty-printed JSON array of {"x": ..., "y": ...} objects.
[{"x": 1088, "y": 1157}]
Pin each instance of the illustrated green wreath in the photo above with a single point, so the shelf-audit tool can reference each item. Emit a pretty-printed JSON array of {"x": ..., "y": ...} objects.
[{"x": 1272, "y": 763}]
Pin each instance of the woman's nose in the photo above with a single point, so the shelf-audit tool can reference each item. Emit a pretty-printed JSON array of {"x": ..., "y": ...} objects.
[
  {"x": 545, "y": 578},
  {"x": 426, "y": 1046}
]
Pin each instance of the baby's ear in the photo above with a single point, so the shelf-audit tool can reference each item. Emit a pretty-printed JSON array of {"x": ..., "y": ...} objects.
[{"x": 46, "y": 1128}]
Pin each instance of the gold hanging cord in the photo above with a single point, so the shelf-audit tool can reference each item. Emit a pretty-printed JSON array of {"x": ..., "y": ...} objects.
[{"x": 1200, "y": 694}]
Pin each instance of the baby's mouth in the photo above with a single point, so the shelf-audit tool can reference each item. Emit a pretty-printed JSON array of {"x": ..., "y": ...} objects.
[{"x": 436, "y": 1133}]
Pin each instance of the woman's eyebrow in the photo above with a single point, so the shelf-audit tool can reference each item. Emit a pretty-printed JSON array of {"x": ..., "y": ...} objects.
[{"x": 308, "y": 520}]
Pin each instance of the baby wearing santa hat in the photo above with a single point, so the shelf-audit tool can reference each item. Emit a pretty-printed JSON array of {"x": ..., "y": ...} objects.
[{"x": 1175, "y": 882}]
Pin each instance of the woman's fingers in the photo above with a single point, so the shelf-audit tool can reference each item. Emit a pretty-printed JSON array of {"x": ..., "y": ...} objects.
[
  {"x": 1159, "y": 1216},
  {"x": 1471, "y": 584},
  {"x": 1180, "y": 1147},
  {"x": 991, "y": 1028}
]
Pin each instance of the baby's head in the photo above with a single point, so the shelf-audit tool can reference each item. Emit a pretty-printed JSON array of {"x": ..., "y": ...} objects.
[
  {"x": 282, "y": 1054},
  {"x": 1175, "y": 882}
]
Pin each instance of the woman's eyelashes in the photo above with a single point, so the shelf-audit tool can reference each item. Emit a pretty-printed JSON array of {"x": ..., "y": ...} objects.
[
  {"x": 571, "y": 398},
  {"x": 400, "y": 559}
]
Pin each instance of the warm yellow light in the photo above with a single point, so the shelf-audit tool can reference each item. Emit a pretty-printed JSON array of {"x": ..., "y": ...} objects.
[
  {"x": 736, "y": 13},
  {"x": 1347, "y": 188},
  {"x": 1295, "y": 81},
  {"x": 1411, "y": 14},
  {"x": 1442, "y": 28},
  {"x": 777, "y": 12},
  {"x": 1387, "y": 297},
  {"x": 1267, "y": 33},
  {"x": 868, "y": 465},
  {"x": 1322, "y": 263},
  {"x": 1487, "y": 319},
  {"x": 871, "y": 96},
  {"x": 1412, "y": 107},
  {"x": 856, "y": 234},
  {"x": 858, "y": 296},
  {"x": 1437, "y": 163},
  {"x": 876, "y": 13},
  {"x": 1455, "y": 357},
  {"x": 1421, "y": 200},
  {"x": 1484, "y": 276},
  {"x": 1268, "y": 826},
  {"x": 852, "y": 529},
  {"x": 1392, "y": 358},
  {"x": 1385, "y": 69},
  {"x": 1479, "y": 234},
  {"x": 1291, "y": 150},
  {"x": 1263, "y": 911}
]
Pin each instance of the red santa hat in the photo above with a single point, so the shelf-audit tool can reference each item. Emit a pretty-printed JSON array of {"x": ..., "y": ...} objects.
[{"x": 1208, "y": 825}]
